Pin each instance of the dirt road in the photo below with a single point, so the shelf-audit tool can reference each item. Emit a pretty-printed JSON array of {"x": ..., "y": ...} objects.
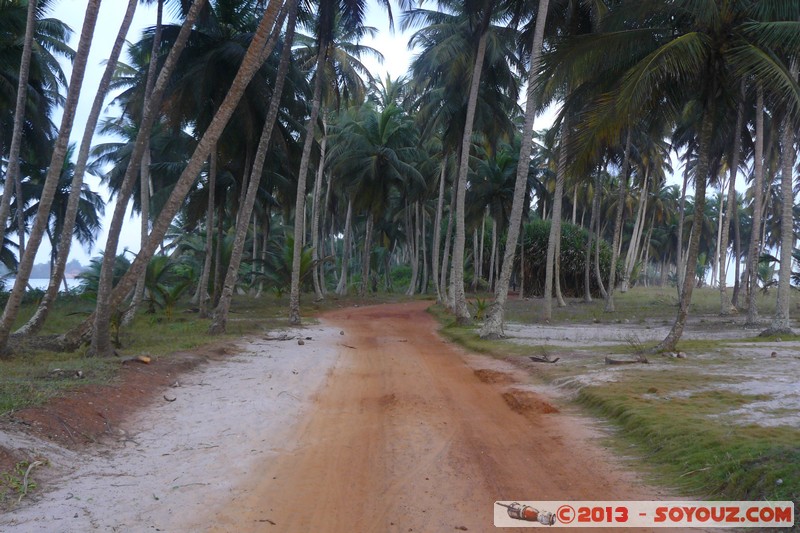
[{"x": 405, "y": 436}]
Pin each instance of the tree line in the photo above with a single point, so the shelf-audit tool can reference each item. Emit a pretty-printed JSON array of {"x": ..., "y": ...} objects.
[{"x": 261, "y": 153}]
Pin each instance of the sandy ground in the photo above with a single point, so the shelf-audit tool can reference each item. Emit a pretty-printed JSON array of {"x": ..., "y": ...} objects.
[
  {"x": 170, "y": 462},
  {"x": 386, "y": 428}
]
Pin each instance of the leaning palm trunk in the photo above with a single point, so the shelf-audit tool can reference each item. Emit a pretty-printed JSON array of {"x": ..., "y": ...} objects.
[
  {"x": 679, "y": 262},
  {"x": 101, "y": 343},
  {"x": 341, "y": 289},
  {"x": 493, "y": 324},
  {"x": 623, "y": 180},
  {"x": 253, "y": 59},
  {"x": 669, "y": 343},
  {"x": 51, "y": 181},
  {"x": 231, "y": 276},
  {"x": 780, "y": 323},
  {"x": 725, "y": 307},
  {"x": 12, "y": 175},
  {"x": 555, "y": 225},
  {"x": 300, "y": 200},
  {"x": 459, "y": 297},
  {"x": 34, "y": 325},
  {"x": 758, "y": 186}
]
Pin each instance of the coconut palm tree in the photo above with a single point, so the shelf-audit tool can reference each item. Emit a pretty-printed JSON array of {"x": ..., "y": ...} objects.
[
  {"x": 74, "y": 204},
  {"x": 377, "y": 152},
  {"x": 257, "y": 52},
  {"x": 330, "y": 15},
  {"x": 54, "y": 170},
  {"x": 37, "y": 75},
  {"x": 665, "y": 56}
]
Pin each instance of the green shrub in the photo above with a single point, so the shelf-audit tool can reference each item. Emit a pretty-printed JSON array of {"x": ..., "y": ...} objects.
[{"x": 573, "y": 256}]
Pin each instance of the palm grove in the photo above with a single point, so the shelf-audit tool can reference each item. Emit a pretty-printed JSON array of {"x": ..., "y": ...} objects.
[{"x": 263, "y": 155}]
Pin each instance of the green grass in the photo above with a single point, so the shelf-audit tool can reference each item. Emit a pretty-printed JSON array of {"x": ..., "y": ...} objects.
[
  {"x": 677, "y": 424},
  {"x": 31, "y": 377}
]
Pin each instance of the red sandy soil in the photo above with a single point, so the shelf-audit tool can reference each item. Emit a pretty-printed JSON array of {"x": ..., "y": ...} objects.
[{"x": 403, "y": 436}]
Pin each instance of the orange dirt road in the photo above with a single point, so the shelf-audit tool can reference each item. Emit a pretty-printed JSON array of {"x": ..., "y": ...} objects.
[{"x": 404, "y": 436}]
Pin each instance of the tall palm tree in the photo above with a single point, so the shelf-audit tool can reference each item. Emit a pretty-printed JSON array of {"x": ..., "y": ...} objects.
[
  {"x": 101, "y": 341},
  {"x": 377, "y": 153},
  {"x": 221, "y": 311},
  {"x": 54, "y": 170},
  {"x": 350, "y": 16},
  {"x": 73, "y": 205},
  {"x": 664, "y": 56}
]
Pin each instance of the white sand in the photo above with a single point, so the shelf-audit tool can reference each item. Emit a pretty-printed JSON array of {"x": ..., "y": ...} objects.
[{"x": 177, "y": 458}]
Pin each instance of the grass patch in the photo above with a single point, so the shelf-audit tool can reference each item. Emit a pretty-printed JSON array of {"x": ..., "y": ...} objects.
[
  {"x": 680, "y": 426},
  {"x": 717, "y": 459}
]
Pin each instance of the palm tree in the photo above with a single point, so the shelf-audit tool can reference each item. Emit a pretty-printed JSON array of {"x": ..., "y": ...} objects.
[
  {"x": 376, "y": 151},
  {"x": 73, "y": 205},
  {"x": 54, "y": 170},
  {"x": 101, "y": 344},
  {"x": 12, "y": 176},
  {"x": 36, "y": 73},
  {"x": 221, "y": 312},
  {"x": 664, "y": 56},
  {"x": 780, "y": 323},
  {"x": 330, "y": 14}
]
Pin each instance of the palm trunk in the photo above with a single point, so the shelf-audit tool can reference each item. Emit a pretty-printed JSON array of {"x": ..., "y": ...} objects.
[
  {"x": 475, "y": 260},
  {"x": 54, "y": 171},
  {"x": 459, "y": 297},
  {"x": 12, "y": 174},
  {"x": 447, "y": 295},
  {"x": 681, "y": 219},
  {"x": 479, "y": 260},
  {"x": 222, "y": 309},
  {"x": 300, "y": 200},
  {"x": 587, "y": 267},
  {"x": 204, "y": 299},
  {"x": 493, "y": 323},
  {"x": 557, "y": 270},
  {"x": 670, "y": 342},
  {"x": 633, "y": 246},
  {"x": 493, "y": 255},
  {"x": 217, "y": 281},
  {"x": 737, "y": 247},
  {"x": 34, "y": 325},
  {"x": 437, "y": 231},
  {"x": 596, "y": 208},
  {"x": 253, "y": 59},
  {"x": 413, "y": 250},
  {"x": 424, "y": 288},
  {"x": 555, "y": 224},
  {"x": 101, "y": 336},
  {"x": 623, "y": 180},
  {"x": 780, "y": 323},
  {"x": 726, "y": 308},
  {"x": 758, "y": 186},
  {"x": 365, "y": 258},
  {"x": 315, "y": 207},
  {"x": 144, "y": 183},
  {"x": 341, "y": 289}
]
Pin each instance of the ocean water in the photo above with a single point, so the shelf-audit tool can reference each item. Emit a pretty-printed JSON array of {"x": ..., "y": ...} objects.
[{"x": 37, "y": 283}]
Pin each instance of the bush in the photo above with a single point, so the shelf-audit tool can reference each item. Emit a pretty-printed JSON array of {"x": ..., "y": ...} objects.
[{"x": 573, "y": 255}]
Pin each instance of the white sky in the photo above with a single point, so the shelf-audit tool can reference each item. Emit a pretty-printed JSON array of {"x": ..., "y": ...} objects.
[{"x": 393, "y": 46}]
